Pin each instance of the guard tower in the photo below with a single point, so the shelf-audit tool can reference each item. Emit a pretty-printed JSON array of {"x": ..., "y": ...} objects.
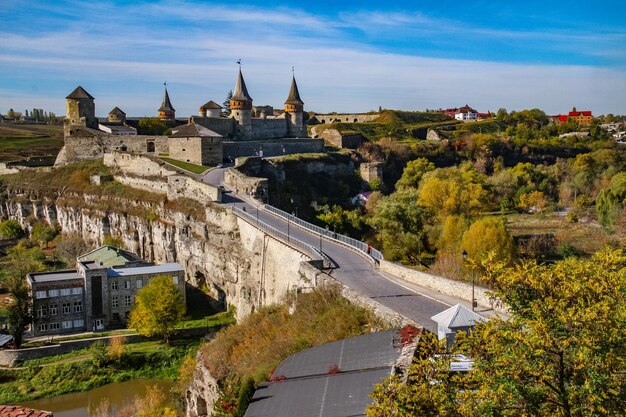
[
  {"x": 167, "y": 112},
  {"x": 294, "y": 108},
  {"x": 241, "y": 108},
  {"x": 80, "y": 110}
]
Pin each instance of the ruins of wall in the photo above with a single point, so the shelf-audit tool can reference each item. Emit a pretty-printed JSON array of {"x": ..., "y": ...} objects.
[{"x": 344, "y": 118}]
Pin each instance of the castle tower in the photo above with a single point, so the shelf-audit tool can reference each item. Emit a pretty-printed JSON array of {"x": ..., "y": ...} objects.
[
  {"x": 167, "y": 111},
  {"x": 117, "y": 116},
  {"x": 241, "y": 108},
  {"x": 80, "y": 109},
  {"x": 294, "y": 108}
]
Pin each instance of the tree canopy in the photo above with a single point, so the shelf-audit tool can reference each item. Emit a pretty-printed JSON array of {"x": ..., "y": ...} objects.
[
  {"x": 159, "y": 306},
  {"x": 560, "y": 354}
]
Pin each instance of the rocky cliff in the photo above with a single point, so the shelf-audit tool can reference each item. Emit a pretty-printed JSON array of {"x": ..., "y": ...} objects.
[{"x": 239, "y": 264}]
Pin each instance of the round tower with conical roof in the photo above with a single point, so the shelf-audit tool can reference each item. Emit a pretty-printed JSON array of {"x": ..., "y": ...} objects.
[
  {"x": 294, "y": 108},
  {"x": 241, "y": 108}
]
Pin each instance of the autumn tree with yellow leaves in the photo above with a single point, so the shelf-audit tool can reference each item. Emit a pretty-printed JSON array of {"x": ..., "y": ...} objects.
[{"x": 560, "y": 354}]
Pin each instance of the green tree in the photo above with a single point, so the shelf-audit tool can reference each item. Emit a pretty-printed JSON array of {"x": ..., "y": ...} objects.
[
  {"x": 151, "y": 126},
  {"x": 158, "y": 308},
  {"x": 19, "y": 312},
  {"x": 413, "y": 173},
  {"x": 486, "y": 236},
  {"x": 43, "y": 233},
  {"x": 11, "y": 229},
  {"x": 611, "y": 201},
  {"x": 226, "y": 104},
  {"x": 400, "y": 221},
  {"x": 560, "y": 353}
]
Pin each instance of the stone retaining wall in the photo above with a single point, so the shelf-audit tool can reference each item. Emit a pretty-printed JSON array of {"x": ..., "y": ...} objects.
[{"x": 443, "y": 285}]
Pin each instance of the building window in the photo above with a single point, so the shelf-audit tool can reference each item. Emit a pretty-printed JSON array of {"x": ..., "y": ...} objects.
[
  {"x": 54, "y": 309},
  {"x": 79, "y": 323},
  {"x": 53, "y": 326},
  {"x": 53, "y": 293},
  {"x": 114, "y": 302},
  {"x": 78, "y": 307},
  {"x": 128, "y": 300},
  {"x": 43, "y": 327},
  {"x": 175, "y": 279},
  {"x": 66, "y": 291},
  {"x": 67, "y": 324},
  {"x": 67, "y": 308},
  {"x": 40, "y": 294},
  {"x": 77, "y": 291},
  {"x": 127, "y": 285},
  {"x": 42, "y": 311},
  {"x": 114, "y": 285},
  {"x": 139, "y": 283}
]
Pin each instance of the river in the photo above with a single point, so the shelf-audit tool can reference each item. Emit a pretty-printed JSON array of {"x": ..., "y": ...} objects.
[{"x": 85, "y": 404}]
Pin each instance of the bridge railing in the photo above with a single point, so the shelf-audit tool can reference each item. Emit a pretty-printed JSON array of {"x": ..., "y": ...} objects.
[
  {"x": 309, "y": 250},
  {"x": 345, "y": 240}
]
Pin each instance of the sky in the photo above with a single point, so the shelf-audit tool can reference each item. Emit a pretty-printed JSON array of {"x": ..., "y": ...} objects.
[{"x": 348, "y": 56}]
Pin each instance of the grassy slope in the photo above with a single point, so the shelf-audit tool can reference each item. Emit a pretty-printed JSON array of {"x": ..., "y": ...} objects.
[
  {"x": 20, "y": 141},
  {"x": 391, "y": 123},
  {"x": 196, "y": 169}
]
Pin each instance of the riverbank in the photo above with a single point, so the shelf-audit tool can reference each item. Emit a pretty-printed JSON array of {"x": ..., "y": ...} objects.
[{"x": 94, "y": 367}]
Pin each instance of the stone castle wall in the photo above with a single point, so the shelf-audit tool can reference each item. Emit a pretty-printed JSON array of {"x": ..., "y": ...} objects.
[
  {"x": 232, "y": 150},
  {"x": 344, "y": 118},
  {"x": 269, "y": 128},
  {"x": 225, "y": 126},
  {"x": 90, "y": 145}
]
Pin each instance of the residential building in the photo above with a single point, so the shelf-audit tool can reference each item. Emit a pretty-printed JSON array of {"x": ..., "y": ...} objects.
[
  {"x": 583, "y": 118},
  {"x": 98, "y": 295}
]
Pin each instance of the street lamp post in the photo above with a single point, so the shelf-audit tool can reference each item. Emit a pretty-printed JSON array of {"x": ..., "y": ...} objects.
[
  {"x": 321, "y": 238},
  {"x": 464, "y": 255},
  {"x": 288, "y": 228}
]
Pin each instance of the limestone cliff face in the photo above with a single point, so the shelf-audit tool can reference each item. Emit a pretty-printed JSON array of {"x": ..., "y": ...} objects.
[
  {"x": 203, "y": 392},
  {"x": 242, "y": 266}
]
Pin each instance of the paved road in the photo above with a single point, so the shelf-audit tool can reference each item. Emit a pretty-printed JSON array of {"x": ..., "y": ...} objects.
[{"x": 352, "y": 269}]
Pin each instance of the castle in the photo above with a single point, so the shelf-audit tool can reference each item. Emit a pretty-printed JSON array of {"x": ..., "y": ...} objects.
[{"x": 206, "y": 139}]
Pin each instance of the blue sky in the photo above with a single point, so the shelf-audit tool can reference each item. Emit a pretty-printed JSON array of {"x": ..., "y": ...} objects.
[{"x": 348, "y": 56}]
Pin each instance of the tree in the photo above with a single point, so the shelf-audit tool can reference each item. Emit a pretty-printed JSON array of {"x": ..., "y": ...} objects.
[
  {"x": 452, "y": 191},
  {"x": 413, "y": 173},
  {"x": 70, "y": 247},
  {"x": 11, "y": 229},
  {"x": 535, "y": 201},
  {"x": 486, "y": 236},
  {"x": 159, "y": 306},
  {"x": 560, "y": 354},
  {"x": 151, "y": 126},
  {"x": 226, "y": 104},
  {"x": 19, "y": 312},
  {"x": 43, "y": 233},
  {"x": 611, "y": 201}
]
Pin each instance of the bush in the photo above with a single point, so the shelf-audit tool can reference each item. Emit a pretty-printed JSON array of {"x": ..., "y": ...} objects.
[{"x": 11, "y": 229}]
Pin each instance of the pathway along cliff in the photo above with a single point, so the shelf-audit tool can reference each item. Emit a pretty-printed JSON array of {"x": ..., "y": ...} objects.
[{"x": 351, "y": 268}]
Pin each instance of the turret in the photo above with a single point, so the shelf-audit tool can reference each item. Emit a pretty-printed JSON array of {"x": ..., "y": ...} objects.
[
  {"x": 294, "y": 107},
  {"x": 241, "y": 108},
  {"x": 210, "y": 109},
  {"x": 167, "y": 111},
  {"x": 117, "y": 116},
  {"x": 80, "y": 109}
]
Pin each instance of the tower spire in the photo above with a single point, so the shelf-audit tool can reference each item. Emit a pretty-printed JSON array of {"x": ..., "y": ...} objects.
[
  {"x": 294, "y": 94},
  {"x": 166, "y": 111},
  {"x": 241, "y": 91}
]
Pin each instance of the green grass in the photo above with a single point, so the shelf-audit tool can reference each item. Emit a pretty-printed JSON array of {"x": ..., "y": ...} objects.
[
  {"x": 187, "y": 166},
  {"x": 21, "y": 141},
  {"x": 141, "y": 360}
]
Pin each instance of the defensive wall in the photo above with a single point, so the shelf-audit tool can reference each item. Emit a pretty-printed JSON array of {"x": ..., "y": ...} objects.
[
  {"x": 225, "y": 126},
  {"x": 90, "y": 144},
  {"x": 343, "y": 118},
  {"x": 269, "y": 128},
  {"x": 271, "y": 147},
  {"x": 155, "y": 176}
]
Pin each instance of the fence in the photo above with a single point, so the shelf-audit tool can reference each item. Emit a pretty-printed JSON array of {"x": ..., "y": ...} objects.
[
  {"x": 345, "y": 240},
  {"x": 307, "y": 249}
]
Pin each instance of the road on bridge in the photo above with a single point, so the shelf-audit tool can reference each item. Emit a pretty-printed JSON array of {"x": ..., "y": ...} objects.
[{"x": 351, "y": 268}]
